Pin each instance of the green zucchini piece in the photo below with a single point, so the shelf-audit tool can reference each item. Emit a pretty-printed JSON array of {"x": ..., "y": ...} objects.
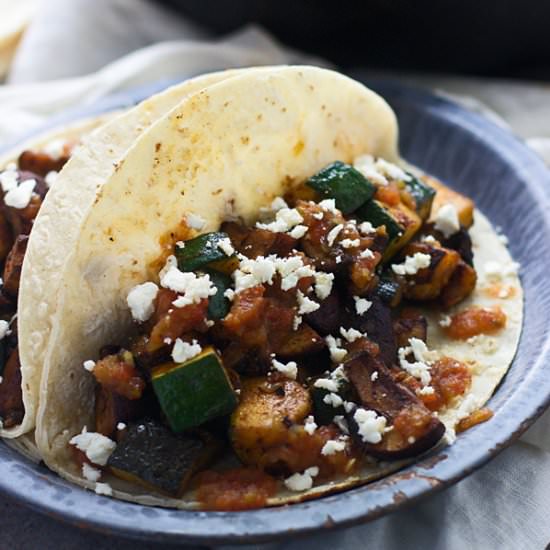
[
  {"x": 343, "y": 183},
  {"x": 201, "y": 251},
  {"x": 194, "y": 392},
  {"x": 422, "y": 194},
  {"x": 324, "y": 413},
  {"x": 401, "y": 223},
  {"x": 218, "y": 305},
  {"x": 389, "y": 290},
  {"x": 151, "y": 456}
]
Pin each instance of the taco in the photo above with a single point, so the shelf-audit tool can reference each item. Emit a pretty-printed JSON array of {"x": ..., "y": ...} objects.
[
  {"x": 264, "y": 304},
  {"x": 46, "y": 157}
]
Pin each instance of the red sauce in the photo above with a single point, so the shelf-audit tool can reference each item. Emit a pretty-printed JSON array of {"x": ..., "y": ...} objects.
[
  {"x": 477, "y": 417},
  {"x": 388, "y": 194},
  {"x": 412, "y": 421},
  {"x": 120, "y": 376},
  {"x": 237, "y": 489},
  {"x": 476, "y": 320}
]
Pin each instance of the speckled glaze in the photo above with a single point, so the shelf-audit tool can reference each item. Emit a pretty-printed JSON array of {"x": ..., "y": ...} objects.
[{"x": 510, "y": 185}]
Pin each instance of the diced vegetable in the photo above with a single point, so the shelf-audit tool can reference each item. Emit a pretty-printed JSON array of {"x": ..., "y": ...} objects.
[
  {"x": 324, "y": 412},
  {"x": 194, "y": 392},
  {"x": 410, "y": 326},
  {"x": 218, "y": 305},
  {"x": 422, "y": 194},
  {"x": 303, "y": 341},
  {"x": 445, "y": 195},
  {"x": 343, "y": 183},
  {"x": 462, "y": 243},
  {"x": 428, "y": 282},
  {"x": 401, "y": 223},
  {"x": 265, "y": 415},
  {"x": 202, "y": 251},
  {"x": 12, "y": 408},
  {"x": 150, "y": 455},
  {"x": 389, "y": 289},
  {"x": 460, "y": 285},
  {"x": 400, "y": 406}
]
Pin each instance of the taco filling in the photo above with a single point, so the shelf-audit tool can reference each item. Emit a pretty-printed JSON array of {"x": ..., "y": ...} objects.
[
  {"x": 298, "y": 344},
  {"x": 24, "y": 186}
]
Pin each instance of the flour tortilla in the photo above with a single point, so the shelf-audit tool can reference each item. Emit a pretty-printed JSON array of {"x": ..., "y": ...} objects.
[
  {"x": 64, "y": 207},
  {"x": 222, "y": 153}
]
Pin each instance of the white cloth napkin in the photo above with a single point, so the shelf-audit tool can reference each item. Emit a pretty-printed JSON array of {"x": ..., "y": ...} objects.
[{"x": 71, "y": 56}]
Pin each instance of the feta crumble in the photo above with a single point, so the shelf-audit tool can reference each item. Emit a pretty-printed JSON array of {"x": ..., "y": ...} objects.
[
  {"x": 51, "y": 178},
  {"x": 327, "y": 384},
  {"x": 89, "y": 365},
  {"x": 332, "y": 447},
  {"x": 351, "y": 334},
  {"x": 290, "y": 369},
  {"x": 192, "y": 287},
  {"x": 420, "y": 368},
  {"x": 8, "y": 180},
  {"x": 96, "y": 446},
  {"x": 285, "y": 220},
  {"x": 361, "y": 305},
  {"x": 225, "y": 246},
  {"x": 121, "y": 426},
  {"x": 412, "y": 264},
  {"x": 366, "y": 228},
  {"x": 333, "y": 233},
  {"x": 19, "y": 197},
  {"x": 367, "y": 253},
  {"x": 323, "y": 284},
  {"x": 104, "y": 489},
  {"x": 426, "y": 390},
  {"x": 302, "y": 482},
  {"x": 4, "y": 329},
  {"x": 333, "y": 399},
  {"x": 305, "y": 304},
  {"x": 446, "y": 220},
  {"x": 141, "y": 300},
  {"x": 350, "y": 243},
  {"x": 342, "y": 423},
  {"x": 329, "y": 205},
  {"x": 183, "y": 351},
  {"x": 298, "y": 231},
  {"x": 310, "y": 425},
  {"x": 370, "y": 426},
  {"x": 337, "y": 353},
  {"x": 90, "y": 473},
  {"x": 445, "y": 321},
  {"x": 195, "y": 222},
  {"x": 374, "y": 376}
]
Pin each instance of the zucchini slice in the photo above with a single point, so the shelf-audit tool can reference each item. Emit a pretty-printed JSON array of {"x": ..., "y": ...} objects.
[
  {"x": 401, "y": 223},
  {"x": 194, "y": 392},
  {"x": 151, "y": 456},
  {"x": 343, "y": 183},
  {"x": 422, "y": 194},
  {"x": 324, "y": 413},
  {"x": 218, "y": 305},
  {"x": 202, "y": 251}
]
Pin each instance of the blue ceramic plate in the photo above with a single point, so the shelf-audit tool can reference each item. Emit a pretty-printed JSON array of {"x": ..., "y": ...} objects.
[{"x": 510, "y": 185}]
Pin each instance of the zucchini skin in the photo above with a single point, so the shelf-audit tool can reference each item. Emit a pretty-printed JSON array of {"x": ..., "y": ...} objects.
[
  {"x": 218, "y": 305},
  {"x": 343, "y": 183},
  {"x": 422, "y": 194},
  {"x": 201, "y": 251}
]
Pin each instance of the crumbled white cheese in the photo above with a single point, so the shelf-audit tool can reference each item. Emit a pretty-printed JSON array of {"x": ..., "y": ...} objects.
[
  {"x": 171, "y": 261},
  {"x": 350, "y": 243},
  {"x": 332, "y": 447},
  {"x": 327, "y": 384},
  {"x": 333, "y": 399},
  {"x": 285, "y": 220},
  {"x": 366, "y": 165},
  {"x": 351, "y": 334},
  {"x": 446, "y": 220},
  {"x": 4, "y": 329},
  {"x": 96, "y": 446},
  {"x": 342, "y": 423},
  {"x": 337, "y": 353},
  {"x": 104, "y": 489},
  {"x": 310, "y": 425},
  {"x": 278, "y": 204},
  {"x": 349, "y": 406},
  {"x": 374, "y": 376},
  {"x": 8, "y": 180},
  {"x": 329, "y": 205},
  {"x": 290, "y": 369},
  {"x": 305, "y": 304},
  {"x": 141, "y": 300},
  {"x": 51, "y": 178},
  {"x": 296, "y": 322},
  {"x": 426, "y": 390},
  {"x": 338, "y": 259},
  {"x": 445, "y": 321},
  {"x": 254, "y": 272},
  {"x": 225, "y": 246},
  {"x": 193, "y": 288},
  {"x": 302, "y": 482},
  {"x": 339, "y": 373},
  {"x": 298, "y": 231},
  {"x": 367, "y": 253},
  {"x": 361, "y": 305},
  {"x": 183, "y": 351},
  {"x": 468, "y": 405},
  {"x": 292, "y": 270},
  {"x": 366, "y": 228},
  {"x": 370, "y": 426},
  {"x": 195, "y": 222},
  {"x": 90, "y": 473},
  {"x": 318, "y": 215},
  {"x": 20, "y": 196},
  {"x": 1, "y": 380},
  {"x": 333, "y": 233},
  {"x": 391, "y": 170},
  {"x": 229, "y": 293},
  {"x": 428, "y": 239},
  {"x": 323, "y": 284},
  {"x": 121, "y": 426},
  {"x": 89, "y": 365},
  {"x": 412, "y": 264},
  {"x": 420, "y": 368},
  {"x": 167, "y": 340}
]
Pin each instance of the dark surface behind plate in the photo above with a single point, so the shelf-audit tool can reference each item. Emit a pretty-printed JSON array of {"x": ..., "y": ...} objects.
[{"x": 509, "y": 183}]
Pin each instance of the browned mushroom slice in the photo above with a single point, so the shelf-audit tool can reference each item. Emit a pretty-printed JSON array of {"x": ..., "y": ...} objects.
[
  {"x": 414, "y": 429},
  {"x": 460, "y": 285},
  {"x": 328, "y": 318},
  {"x": 410, "y": 325},
  {"x": 12, "y": 268},
  {"x": 303, "y": 341},
  {"x": 12, "y": 409},
  {"x": 40, "y": 163}
]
